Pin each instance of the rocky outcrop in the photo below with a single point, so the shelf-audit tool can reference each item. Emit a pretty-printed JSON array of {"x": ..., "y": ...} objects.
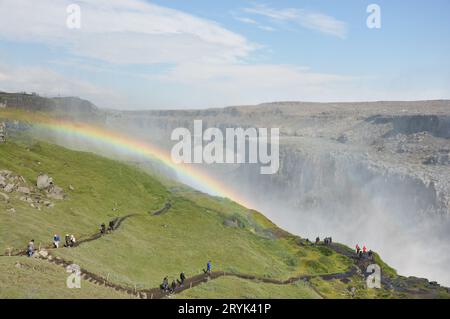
[
  {"x": 45, "y": 183},
  {"x": 16, "y": 187},
  {"x": 2, "y": 132}
]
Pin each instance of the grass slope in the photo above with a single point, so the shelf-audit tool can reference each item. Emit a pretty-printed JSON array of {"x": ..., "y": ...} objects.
[
  {"x": 196, "y": 228},
  {"x": 229, "y": 288},
  {"x": 25, "y": 278},
  {"x": 146, "y": 248}
]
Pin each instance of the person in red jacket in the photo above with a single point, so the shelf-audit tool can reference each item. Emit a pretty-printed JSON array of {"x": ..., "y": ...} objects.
[{"x": 364, "y": 249}]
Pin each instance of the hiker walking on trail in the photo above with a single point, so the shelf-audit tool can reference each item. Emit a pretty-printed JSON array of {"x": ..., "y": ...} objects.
[
  {"x": 358, "y": 249},
  {"x": 173, "y": 286},
  {"x": 67, "y": 240},
  {"x": 73, "y": 241},
  {"x": 208, "y": 268},
  {"x": 30, "y": 249},
  {"x": 364, "y": 249},
  {"x": 165, "y": 284},
  {"x": 56, "y": 240},
  {"x": 102, "y": 229},
  {"x": 317, "y": 240},
  {"x": 111, "y": 226},
  {"x": 182, "y": 279}
]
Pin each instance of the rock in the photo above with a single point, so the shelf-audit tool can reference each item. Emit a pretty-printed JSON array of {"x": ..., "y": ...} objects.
[
  {"x": 71, "y": 188},
  {"x": 11, "y": 210},
  {"x": 5, "y": 173},
  {"x": 43, "y": 253},
  {"x": 44, "y": 181},
  {"x": 9, "y": 188},
  {"x": 55, "y": 192},
  {"x": 2, "y": 132},
  {"x": 4, "y": 196},
  {"x": 231, "y": 223},
  {"x": 26, "y": 199},
  {"x": 23, "y": 190},
  {"x": 18, "y": 265},
  {"x": 2, "y": 181}
]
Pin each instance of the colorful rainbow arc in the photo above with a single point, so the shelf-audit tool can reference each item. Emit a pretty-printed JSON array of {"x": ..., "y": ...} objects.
[{"x": 127, "y": 144}]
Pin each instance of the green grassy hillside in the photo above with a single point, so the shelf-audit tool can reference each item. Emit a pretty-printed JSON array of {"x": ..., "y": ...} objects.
[{"x": 145, "y": 248}]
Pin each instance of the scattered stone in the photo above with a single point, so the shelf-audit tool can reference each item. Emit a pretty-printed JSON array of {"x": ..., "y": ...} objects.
[
  {"x": 71, "y": 188},
  {"x": 43, "y": 253},
  {"x": 9, "y": 188},
  {"x": 2, "y": 181},
  {"x": 2, "y": 132},
  {"x": 55, "y": 192},
  {"x": 5, "y": 173},
  {"x": 26, "y": 199},
  {"x": 23, "y": 190},
  {"x": 18, "y": 265},
  {"x": 11, "y": 210}
]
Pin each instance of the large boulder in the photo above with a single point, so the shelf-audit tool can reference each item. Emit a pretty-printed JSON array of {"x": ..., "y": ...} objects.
[{"x": 44, "y": 181}]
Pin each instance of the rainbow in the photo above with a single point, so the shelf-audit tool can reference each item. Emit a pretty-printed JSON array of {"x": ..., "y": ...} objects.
[{"x": 132, "y": 146}]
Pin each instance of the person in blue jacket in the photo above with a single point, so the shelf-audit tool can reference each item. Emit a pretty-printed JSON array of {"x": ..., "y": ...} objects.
[
  {"x": 208, "y": 268},
  {"x": 56, "y": 240}
]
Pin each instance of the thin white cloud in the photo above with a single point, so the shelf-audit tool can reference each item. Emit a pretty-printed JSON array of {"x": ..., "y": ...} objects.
[
  {"x": 266, "y": 28},
  {"x": 246, "y": 20},
  {"x": 307, "y": 19},
  {"x": 126, "y": 31},
  {"x": 253, "y": 22}
]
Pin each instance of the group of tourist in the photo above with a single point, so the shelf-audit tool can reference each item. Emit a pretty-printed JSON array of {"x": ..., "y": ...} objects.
[{"x": 165, "y": 287}]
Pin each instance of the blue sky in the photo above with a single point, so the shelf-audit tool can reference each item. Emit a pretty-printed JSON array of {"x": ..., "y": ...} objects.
[{"x": 136, "y": 54}]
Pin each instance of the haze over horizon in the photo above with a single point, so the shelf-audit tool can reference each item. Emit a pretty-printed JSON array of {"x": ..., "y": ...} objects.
[{"x": 166, "y": 54}]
